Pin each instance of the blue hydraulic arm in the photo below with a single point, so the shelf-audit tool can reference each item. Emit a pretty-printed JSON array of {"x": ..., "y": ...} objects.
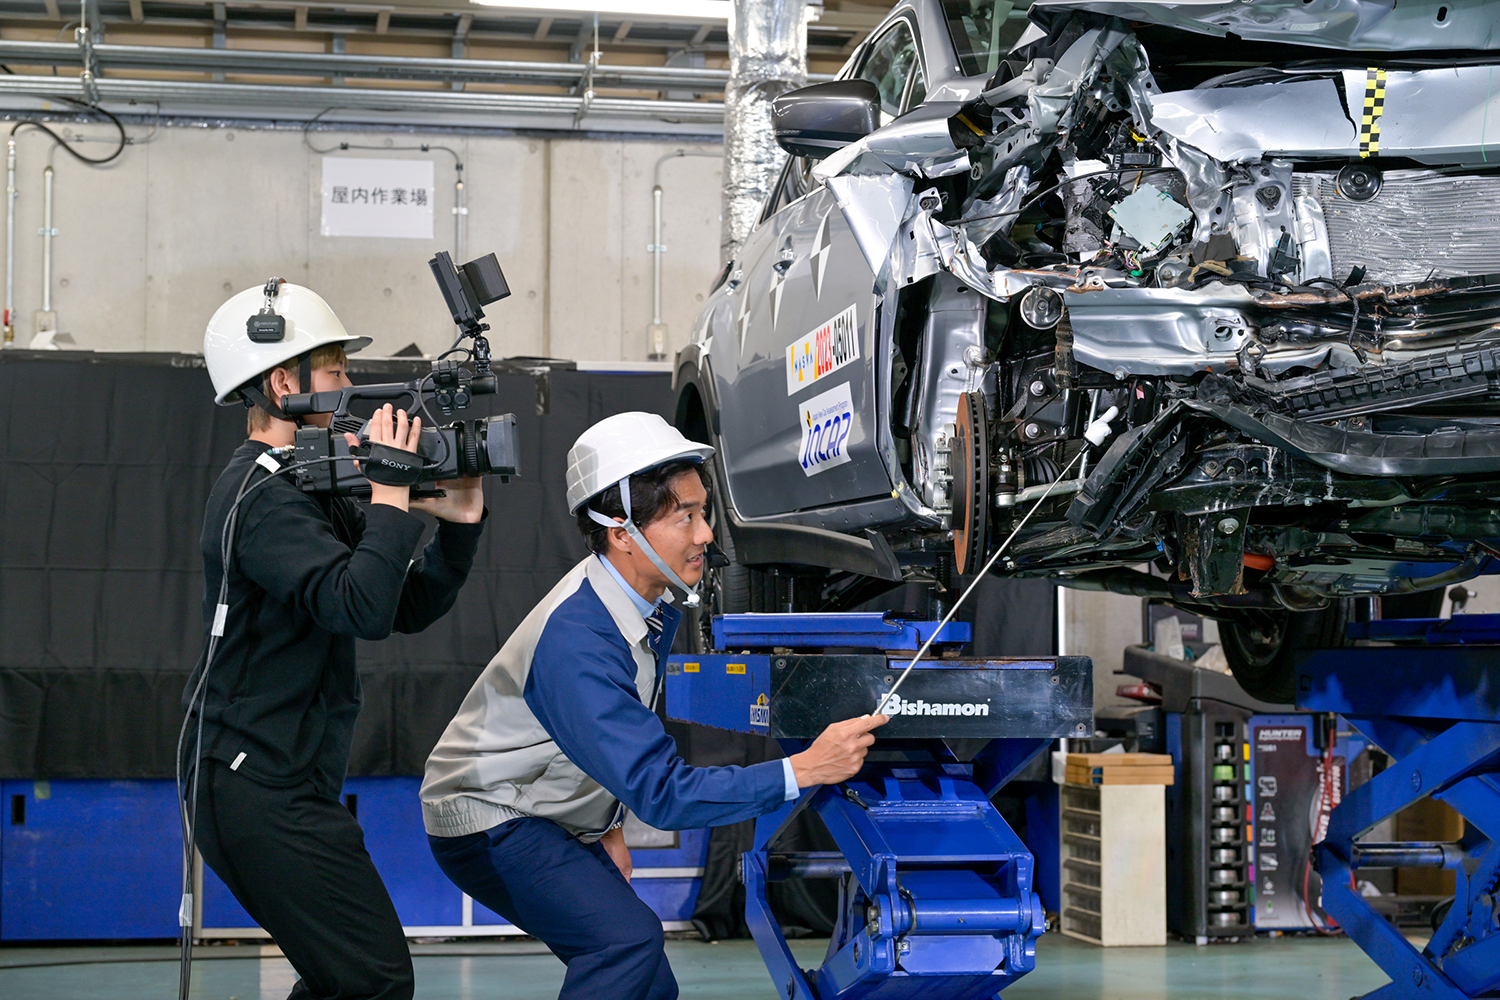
[{"x": 1435, "y": 709}]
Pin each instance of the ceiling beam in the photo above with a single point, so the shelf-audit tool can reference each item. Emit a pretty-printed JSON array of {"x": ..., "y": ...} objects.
[
  {"x": 382, "y": 22},
  {"x": 622, "y": 31},
  {"x": 543, "y": 29},
  {"x": 137, "y": 13},
  {"x": 52, "y": 10}
]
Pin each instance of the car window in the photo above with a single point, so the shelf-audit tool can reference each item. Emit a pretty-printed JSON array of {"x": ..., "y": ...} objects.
[
  {"x": 888, "y": 64},
  {"x": 795, "y": 181},
  {"x": 917, "y": 92},
  {"x": 983, "y": 32}
]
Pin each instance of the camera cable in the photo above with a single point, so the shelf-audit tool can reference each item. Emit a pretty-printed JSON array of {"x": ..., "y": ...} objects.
[{"x": 188, "y": 804}]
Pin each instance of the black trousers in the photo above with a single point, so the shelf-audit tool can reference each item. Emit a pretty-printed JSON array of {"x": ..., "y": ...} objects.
[{"x": 296, "y": 861}]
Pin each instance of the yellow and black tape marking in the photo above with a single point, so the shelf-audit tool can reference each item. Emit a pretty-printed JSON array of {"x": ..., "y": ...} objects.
[{"x": 1369, "y": 129}]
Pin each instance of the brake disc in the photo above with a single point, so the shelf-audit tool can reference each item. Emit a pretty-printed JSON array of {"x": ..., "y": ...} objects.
[{"x": 970, "y": 463}]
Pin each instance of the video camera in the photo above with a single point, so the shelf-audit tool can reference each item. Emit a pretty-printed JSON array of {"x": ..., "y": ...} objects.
[{"x": 481, "y": 447}]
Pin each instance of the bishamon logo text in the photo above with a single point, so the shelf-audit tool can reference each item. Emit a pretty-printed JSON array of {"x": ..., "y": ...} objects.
[
  {"x": 1279, "y": 734},
  {"x": 897, "y": 705}
]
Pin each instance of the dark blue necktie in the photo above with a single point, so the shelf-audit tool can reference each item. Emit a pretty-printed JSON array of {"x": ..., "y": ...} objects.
[{"x": 654, "y": 626}]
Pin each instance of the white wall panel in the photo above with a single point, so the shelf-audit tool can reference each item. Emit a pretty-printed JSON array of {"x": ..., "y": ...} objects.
[
  {"x": 150, "y": 245},
  {"x": 225, "y": 209}
]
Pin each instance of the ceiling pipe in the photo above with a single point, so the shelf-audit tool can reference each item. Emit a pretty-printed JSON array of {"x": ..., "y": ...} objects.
[
  {"x": 191, "y": 94},
  {"x": 384, "y": 67}
]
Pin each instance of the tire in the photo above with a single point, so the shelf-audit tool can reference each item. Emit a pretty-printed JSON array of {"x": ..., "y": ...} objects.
[
  {"x": 726, "y": 589},
  {"x": 1260, "y": 649}
]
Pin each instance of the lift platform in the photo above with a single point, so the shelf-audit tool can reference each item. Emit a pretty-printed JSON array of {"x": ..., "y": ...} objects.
[
  {"x": 1431, "y": 701},
  {"x": 935, "y": 890}
]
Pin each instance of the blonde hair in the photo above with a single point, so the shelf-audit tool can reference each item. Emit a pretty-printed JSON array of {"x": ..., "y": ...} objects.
[{"x": 257, "y": 419}]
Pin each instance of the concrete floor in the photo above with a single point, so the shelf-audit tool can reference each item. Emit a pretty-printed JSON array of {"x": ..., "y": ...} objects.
[{"x": 1305, "y": 968}]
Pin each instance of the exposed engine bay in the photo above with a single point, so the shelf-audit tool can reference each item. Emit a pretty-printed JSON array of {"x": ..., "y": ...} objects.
[{"x": 1284, "y": 279}]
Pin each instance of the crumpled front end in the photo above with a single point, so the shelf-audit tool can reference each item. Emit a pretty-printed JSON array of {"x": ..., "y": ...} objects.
[{"x": 1285, "y": 279}]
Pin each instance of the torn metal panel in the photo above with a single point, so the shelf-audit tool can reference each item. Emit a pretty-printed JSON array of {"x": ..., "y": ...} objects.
[
  {"x": 1207, "y": 184},
  {"x": 1053, "y": 96},
  {"x": 984, "y": 217},
  {"x": 874, "y": 205},
  {"x": 1438, "y": 116},
  {"x": 1368, "y": 25},
  {"x": 1236, "y": 124},
  {"x": 917, "y": 252},
  {"x": 1312, "y": 238},
  {"x": 1169, "y": 331},
  {"x": 919, "y": 143}
]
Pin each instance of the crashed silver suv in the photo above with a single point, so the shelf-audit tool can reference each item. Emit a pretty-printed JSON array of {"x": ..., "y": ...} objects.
[{"x": 1254, "y": 245}]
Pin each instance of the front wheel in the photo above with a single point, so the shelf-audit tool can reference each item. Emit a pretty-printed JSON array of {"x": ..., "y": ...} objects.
[
  {"x": 725, "y": 590},
  {"x": 1261, "y": 645}
]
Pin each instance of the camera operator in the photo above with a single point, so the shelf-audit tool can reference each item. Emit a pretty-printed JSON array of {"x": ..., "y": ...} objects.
[{"x": 308, "y": 575}]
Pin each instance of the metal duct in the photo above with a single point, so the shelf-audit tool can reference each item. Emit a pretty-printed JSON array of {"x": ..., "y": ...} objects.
[{"x": 767, "y": 58}]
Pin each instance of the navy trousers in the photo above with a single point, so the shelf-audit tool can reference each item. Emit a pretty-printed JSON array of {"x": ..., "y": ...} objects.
[{"x": 570, "y": 896}]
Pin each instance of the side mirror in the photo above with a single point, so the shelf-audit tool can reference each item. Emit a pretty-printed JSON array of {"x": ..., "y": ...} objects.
[{"x": 821, "y": 119}]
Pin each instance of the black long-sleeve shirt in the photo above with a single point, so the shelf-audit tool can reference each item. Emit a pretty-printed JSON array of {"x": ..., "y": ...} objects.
[{"x": 309, "y": 575}]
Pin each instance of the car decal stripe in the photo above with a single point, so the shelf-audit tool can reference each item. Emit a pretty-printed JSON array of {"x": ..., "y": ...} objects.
[{"x": 1369, "y": 129}]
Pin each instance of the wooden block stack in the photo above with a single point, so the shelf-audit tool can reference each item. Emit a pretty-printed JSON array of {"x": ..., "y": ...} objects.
[{"x": 1119, "y": 769}]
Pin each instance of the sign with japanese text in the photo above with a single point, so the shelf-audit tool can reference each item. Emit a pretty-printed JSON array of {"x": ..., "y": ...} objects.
[{"x": 367, "y": 197}]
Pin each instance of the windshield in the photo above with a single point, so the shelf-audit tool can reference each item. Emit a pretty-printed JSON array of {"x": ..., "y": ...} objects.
[{"x": 983, "y": 31}]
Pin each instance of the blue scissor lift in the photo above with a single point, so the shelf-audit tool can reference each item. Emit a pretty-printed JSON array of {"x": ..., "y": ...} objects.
[
  {"x": 1430, "y": 698},
  {"x": 936, "y": 891}
]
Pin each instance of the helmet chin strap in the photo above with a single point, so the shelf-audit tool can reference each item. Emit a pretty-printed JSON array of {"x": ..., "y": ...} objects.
[{"x": 633, "y": 530}]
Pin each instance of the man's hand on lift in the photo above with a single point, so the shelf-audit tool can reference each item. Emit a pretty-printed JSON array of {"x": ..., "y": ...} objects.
[
  {"x": 837, "y": 754},
  {"x": 390, "y": 426}
]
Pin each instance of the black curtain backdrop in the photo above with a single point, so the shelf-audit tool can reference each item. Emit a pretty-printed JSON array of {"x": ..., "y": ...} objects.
[{"x": 107, "y": 462}]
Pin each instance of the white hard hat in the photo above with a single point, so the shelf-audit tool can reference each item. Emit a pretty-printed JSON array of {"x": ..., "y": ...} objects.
[
  {"x": 620, "y": 446},
  {"x": 234, "y": 359}
]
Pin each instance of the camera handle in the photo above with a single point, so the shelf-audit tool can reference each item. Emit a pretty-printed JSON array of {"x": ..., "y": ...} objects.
[{"x": 337, "y": 401}]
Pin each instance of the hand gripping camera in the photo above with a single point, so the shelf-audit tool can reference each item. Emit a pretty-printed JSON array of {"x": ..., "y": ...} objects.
[{"x": 480, "y": 447}]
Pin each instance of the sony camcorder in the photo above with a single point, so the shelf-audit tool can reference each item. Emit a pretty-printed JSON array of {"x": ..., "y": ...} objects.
[{"x": 481, "y": 447}]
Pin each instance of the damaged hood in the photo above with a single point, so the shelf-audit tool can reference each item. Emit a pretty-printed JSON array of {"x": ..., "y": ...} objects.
[{"x": 1357, "y": 25}]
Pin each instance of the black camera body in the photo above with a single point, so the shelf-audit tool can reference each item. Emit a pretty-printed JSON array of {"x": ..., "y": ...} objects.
[{"x": 481, "y": 447}]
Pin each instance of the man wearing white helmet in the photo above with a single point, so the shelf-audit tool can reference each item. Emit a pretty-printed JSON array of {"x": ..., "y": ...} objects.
[
  {"x": 526, "y": 791},
  {"x": 307, "y": 575}
]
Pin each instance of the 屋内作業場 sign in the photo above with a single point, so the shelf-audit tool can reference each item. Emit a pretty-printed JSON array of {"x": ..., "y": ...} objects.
[{"x": 382, "y": 198}]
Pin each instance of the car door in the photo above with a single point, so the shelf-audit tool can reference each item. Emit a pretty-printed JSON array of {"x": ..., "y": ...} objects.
[{"x": 810, "y": 441}]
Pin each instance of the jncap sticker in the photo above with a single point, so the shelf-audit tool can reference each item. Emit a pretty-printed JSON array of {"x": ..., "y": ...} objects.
[{"x": 826, "y": 420}]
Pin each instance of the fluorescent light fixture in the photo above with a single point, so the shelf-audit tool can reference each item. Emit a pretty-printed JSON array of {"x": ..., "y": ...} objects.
[{"x": 663, "y": 10}]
